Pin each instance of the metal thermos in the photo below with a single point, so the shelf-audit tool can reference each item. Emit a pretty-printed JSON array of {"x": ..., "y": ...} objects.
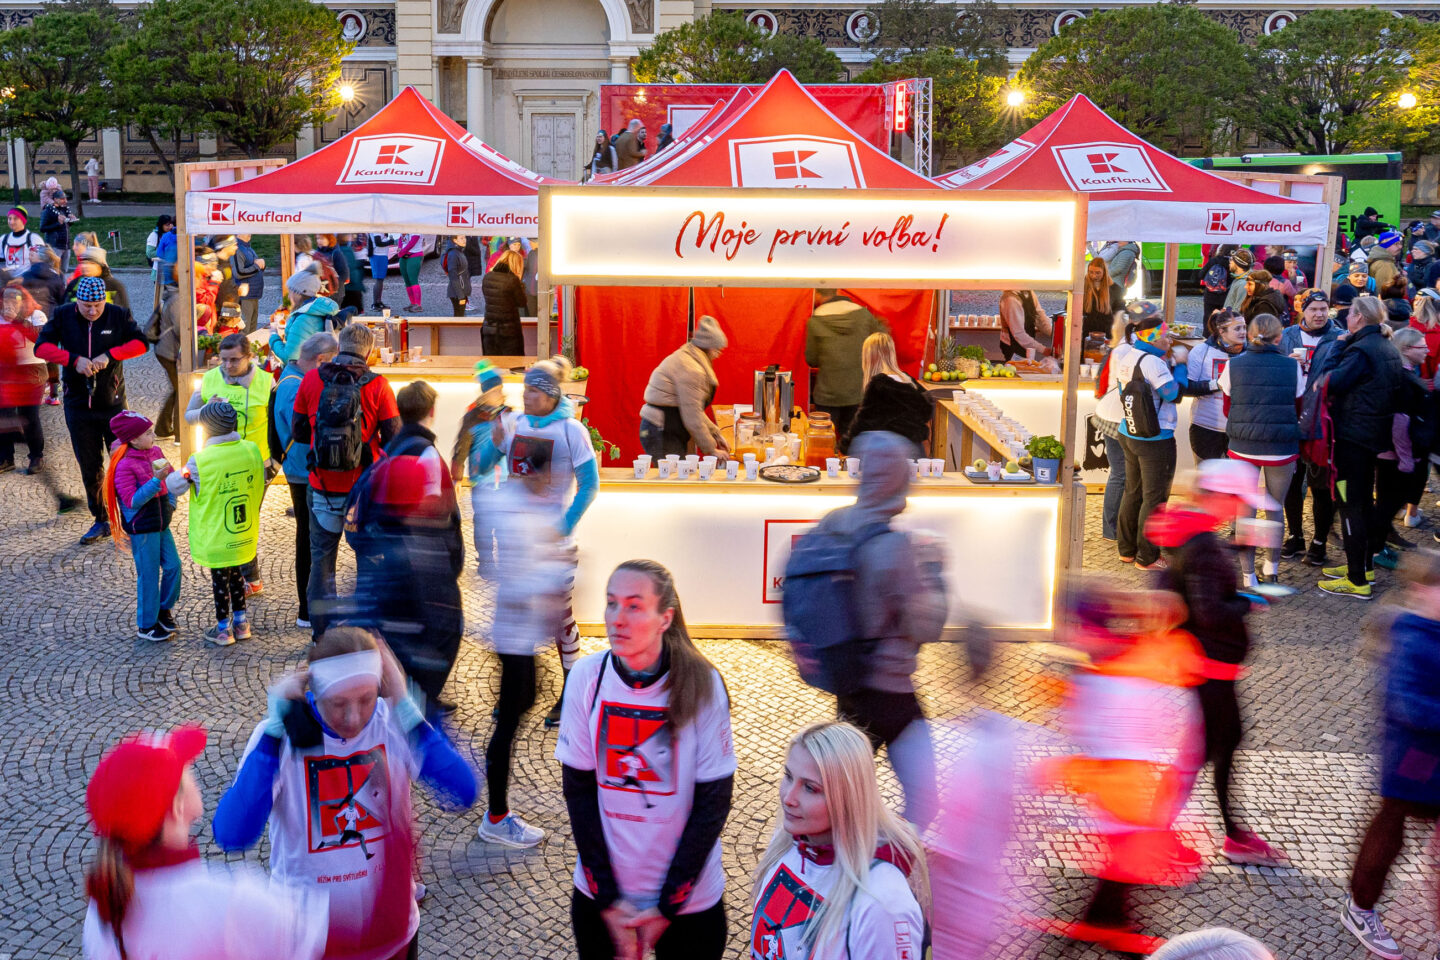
[{"x": 774, "y": 398}]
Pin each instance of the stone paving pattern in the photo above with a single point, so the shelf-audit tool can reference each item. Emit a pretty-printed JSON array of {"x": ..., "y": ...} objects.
[{"x": 75, "y": 679}]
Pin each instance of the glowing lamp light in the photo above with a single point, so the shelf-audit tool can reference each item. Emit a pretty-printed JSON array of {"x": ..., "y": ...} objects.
[
  {"x": 1406, "y": 101},
  {"x": 900, "y": 109},
  {"x": 1015, "y": 98},
  {"x": 346, "y": 92}
]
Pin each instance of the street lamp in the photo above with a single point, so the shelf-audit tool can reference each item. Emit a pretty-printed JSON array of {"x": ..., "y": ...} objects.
[
  {"x": 346, "y": 92},
  {"x": 1406, "y": 101},
  {"x": 1015, "y": 98}
]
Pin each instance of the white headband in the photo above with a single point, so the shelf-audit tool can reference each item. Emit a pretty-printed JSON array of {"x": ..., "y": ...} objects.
[{"x": 331, "y": 672}]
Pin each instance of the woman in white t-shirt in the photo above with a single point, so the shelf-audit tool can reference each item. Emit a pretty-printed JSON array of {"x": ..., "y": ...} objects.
[
  {"x": 151, "y": 895},
  {"x": 329, "y": 769},
  {"x": 648, "y": 769},
  {"x": 1224, "y": 340},
  {"x": 843, "y": 878}
]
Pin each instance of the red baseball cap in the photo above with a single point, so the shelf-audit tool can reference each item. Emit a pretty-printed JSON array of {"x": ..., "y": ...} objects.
[{"x": 135, "y": 784}]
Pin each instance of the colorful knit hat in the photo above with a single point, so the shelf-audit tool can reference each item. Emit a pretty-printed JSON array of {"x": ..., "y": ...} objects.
[{"x": 90, "y": 290}]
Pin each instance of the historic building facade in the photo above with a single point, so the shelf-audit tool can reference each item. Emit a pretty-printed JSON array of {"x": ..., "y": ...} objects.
[{"x": 525, "y": 74}]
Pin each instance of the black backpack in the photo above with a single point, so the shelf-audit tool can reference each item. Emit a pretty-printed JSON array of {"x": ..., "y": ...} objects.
[
  {"x": 339, "y": 440},
  {"x": 1216, "y": 278},
  {"x": 820, "y": 618},
  {"x": 1138, "y": 402}
]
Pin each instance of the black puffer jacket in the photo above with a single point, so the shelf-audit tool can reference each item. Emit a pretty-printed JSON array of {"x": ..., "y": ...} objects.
[
  {"x": 504, "y": 298},
  {"x": 887, "y": 404},
  {"x": 1367, "y": 387}
]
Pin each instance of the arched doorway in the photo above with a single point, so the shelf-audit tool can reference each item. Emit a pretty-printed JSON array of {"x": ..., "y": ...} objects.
[{"x": 546, "y": 60}]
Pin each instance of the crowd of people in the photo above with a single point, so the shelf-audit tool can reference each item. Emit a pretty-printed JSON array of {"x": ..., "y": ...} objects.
[{"x": 612, "y": 153}]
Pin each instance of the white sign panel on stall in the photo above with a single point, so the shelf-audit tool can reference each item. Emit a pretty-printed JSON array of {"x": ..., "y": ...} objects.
[
  {"x": 808, "y": 237},
  {"x": 516, "y": 216}
]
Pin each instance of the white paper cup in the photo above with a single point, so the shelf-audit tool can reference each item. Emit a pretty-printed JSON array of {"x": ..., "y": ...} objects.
[
  {"x": 387, "y": 355},
  {"x": 937, "y": 468},
  {"x": 832, "y": 466},
  {"x": 674, "y": 458},
  {"x": 641, "y": 468},
  {"x": 707, "y": 470},
  {"x": 732, "y": 469},
  {"x": 749, "y": 458},
  {"x": 914, "y": 469},
  {"x": 667, "y": 468},
  {"x": 769, "y": 454},
  {"x": 795, "y": 449},
  {"x": 414, "y": 354},
  {"x": 645, "y": 459},
  {"x": 687, "y": 469},
  {"x": 693, "y": 459},
  {"x": 852, "y": 467},
  {"x": 752, "y": 470},
  {"x": 710, "y": 460}
]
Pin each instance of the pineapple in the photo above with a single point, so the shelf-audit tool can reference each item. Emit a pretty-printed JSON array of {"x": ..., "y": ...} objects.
[{"x": 947, "y": 354}]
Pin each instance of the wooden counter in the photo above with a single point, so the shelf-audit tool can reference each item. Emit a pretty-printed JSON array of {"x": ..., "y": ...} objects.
[{"x": 951, "y": 484}]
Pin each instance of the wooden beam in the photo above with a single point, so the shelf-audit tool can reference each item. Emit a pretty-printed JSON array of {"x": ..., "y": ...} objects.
[
  {"x": 1170, "y": 281},
  {"x": 1066, "y": 557}
]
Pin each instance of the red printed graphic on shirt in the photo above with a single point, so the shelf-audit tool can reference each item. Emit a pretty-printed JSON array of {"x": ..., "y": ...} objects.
[
  {"x": 635, "y": 750},
  {"x": 785, "y": 906},
  {"x": 347, "y": 799}
]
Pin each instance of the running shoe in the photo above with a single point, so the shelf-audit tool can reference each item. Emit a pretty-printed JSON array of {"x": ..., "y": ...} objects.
[
  {"x": 154, "y": 634},
  {"x": 254, "y": 588},
  {"x": 1344, "y": 588},
  {"x": 1389, "y": 558},
  {"x": 100, "y": 530},
  {"x": 1367, "y": 928},
  {"x": 241, "y": 626},
  {"x": 1315, "y": 556},
  {"x": 1292, "y": 548},
  {"x": 35, "y": 467},
  {"x": 52, "y": 401},
  {"x": 552, "y": 719},
  {"x": 166, "y": 621},
  {"x": 68, "y": 504},
  {"x": 511, "y": 831},
  {"x": 220, "y": 635},
  {"x": 1344, "y": 571},
  {"x": 1249, "y": 848},
  {"x": 302, "y": 623},
  {"x": 1159, "y": 563}
]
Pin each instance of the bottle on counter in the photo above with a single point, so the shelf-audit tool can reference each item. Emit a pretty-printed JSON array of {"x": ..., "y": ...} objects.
[{"x": 819, "y": 439}]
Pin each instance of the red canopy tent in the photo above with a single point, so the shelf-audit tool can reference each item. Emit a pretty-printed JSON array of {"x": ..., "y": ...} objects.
[
  {"x": 714, "y": 118},
  {"x": 1138, "y": 191},
  {"x": 407, "y": 169},
  {"x": 782, "y": 137}
]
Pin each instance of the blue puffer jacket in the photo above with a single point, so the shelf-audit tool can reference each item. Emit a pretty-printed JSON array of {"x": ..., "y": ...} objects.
[
  {"x": 1410, "y": 749},
  {"x": 307, "y": 319},
  {"x": 1263, "y": 421}
]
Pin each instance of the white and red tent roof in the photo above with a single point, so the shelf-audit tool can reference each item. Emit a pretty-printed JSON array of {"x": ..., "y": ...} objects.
[
  {"x": 408, "y": 169},
  {"x": 713, "y": 118},
  {"x": 1138, "y": 191},
  {"x": 781, "y": 137}
]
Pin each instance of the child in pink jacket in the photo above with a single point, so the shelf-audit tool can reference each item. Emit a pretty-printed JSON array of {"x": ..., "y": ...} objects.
[{"x": 140, "y": 511}]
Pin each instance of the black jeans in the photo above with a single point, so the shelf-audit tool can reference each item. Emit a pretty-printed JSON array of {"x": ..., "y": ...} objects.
[
  {"x": 690, "y": 936},
  {"x": 168, "y": 423},
  {"x": 1316, "y": 481},
  {"x": 1149, "y": 469},
  {"x": 655, "y": 441},
  {"x": 298, "y": 493},
  {"x": 1359, "y": 523},
  {"x": 1392, "y": 491},
  {"x": 881, "y": 716},
  {"x": 90, "y": 438},
  {"x": 1208, "y": 444},
  {"x": 457, "y": 307},
  {"x": 21, "y": 423},
  {"x": 842, "y": 417},
  {"x": 517, "y": 694},
  {"x": 1221, "y": 710},
  {"x": 1381, "y": 846}
]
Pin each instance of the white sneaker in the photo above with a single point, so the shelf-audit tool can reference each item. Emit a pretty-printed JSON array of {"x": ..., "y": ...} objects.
[
  {"x": 1368, "y": 929},
  {"x": 302, "y": 622},
  {"x": 1415, "y": 520},
  {"x": 509, "y": 832},
  {"x": 1251, "y": 580},
  {"x": 420, "y": 891}
]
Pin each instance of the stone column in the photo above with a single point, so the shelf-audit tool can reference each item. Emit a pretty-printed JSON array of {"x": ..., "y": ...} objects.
[
  {"x": 414, "y": 35},
  {"x": 476, "y": 96},
  {"x": 619, "y": 69},
  {"x": 112, "y": 166}
]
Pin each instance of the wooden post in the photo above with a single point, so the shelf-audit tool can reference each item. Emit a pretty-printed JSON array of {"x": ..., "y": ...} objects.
[
  {"x": 542, "y": 322},
  {"x": 1066, "y": 557},
  {"x": 1170, "y": 284},
  {"x": 287, "y": 260}
]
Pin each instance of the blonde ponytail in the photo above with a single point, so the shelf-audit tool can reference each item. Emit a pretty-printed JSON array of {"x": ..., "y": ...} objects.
[{"x": 110, "y": 883}]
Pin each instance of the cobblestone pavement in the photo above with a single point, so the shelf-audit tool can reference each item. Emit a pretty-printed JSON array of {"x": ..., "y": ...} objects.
[{"x": 75, "y": 678}]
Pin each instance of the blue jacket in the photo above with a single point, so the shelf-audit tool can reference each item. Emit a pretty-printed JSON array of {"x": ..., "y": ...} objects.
[
  {"x": 307, "y": 319},
  {"x": 1263, "y": 421},
  {"x": 283, "y": 397},
  {"x": 1290, "y": 340},
  {"x": 1410, "y": 748}
]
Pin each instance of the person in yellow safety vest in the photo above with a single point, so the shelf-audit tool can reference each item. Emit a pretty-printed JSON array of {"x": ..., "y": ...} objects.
[
  {"x": 247, "y": 387},
  {"x": 225, "y": 480}
]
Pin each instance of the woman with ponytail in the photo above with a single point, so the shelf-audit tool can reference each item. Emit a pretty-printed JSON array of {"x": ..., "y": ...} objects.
[
  {"x": 150, "y": 894},
  {"x": 140, "y": 508},
  {"x": 844, "y": 877},
  {"x": 648, "y": 772}
]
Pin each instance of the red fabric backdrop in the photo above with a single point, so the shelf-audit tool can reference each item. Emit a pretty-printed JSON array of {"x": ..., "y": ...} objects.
[
  {"x": 621, "y": 333},
  {"x": 860, "y": 106}
]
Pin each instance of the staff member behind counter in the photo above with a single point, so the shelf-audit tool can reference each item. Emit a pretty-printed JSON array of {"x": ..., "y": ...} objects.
[{"x": 680, "y": 388}]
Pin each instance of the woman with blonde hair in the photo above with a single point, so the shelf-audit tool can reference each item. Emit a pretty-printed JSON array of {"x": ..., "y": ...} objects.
[
  {"x": 892, "y": 400},
  {"x": 1103, "y": 297},
  {"x": 844, "y": 876}
]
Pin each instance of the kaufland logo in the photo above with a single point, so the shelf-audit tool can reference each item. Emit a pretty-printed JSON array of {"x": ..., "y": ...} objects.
[
  {"x": 1098, "y": 167},
  {"x": 795, "y": 162},
  {"x": 396, "y": 158},
  {"x": 222, "y": 213},
  {"x": 460, "y": 213},
  {"x": 229, "y": 213},
  {"x": 1224, "y": 222}
]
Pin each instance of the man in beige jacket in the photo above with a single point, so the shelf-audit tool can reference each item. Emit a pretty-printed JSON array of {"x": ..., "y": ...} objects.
[{"x": 673, "y": 419}]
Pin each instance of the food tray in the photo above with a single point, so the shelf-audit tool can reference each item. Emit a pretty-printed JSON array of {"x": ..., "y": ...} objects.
[
  {"x": 789, "y": 473},
  {"x": 983, "y": 477}
]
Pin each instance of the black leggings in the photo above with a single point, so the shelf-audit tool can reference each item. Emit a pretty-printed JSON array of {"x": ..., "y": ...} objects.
[
  {"x": 1316, "y": 480},
  {"x": 1221, "y": 711},
  {"x": 229, "y": 588},
  {"x": 517, "y": 694},
  {"x": 299, "y": 500},
  {"x": 1381, "y": 846},
  {"x": 457, "y": 307},
  {"x": 690, "y": 936},
  {"x": 880, "y": 716},
  {"x": 1355, "y": 469}
]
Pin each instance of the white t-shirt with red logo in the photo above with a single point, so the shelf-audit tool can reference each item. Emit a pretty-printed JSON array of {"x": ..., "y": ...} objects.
[
  {"x": 342, "y": 823},
  {"x": 884, "y": 920},
  {"x": 646, "y": 773},
  {"x": 565, "y": 440}
]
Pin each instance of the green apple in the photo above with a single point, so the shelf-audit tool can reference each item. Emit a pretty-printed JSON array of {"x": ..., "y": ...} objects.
[
  {"x": 978, "y": 465},
  {"x": 1012, "y": 467},
  {"x": 932, "y": 368}
]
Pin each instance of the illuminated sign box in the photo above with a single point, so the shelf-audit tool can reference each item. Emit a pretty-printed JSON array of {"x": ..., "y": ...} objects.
[{"x": 804, "y": 237}]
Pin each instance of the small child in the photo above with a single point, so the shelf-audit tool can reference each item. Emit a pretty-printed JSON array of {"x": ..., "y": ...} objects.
[
  {"x": 140, "y": 508},
  {"x": 225, "y": 480},
  {"x": 485, "y": 482}
]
